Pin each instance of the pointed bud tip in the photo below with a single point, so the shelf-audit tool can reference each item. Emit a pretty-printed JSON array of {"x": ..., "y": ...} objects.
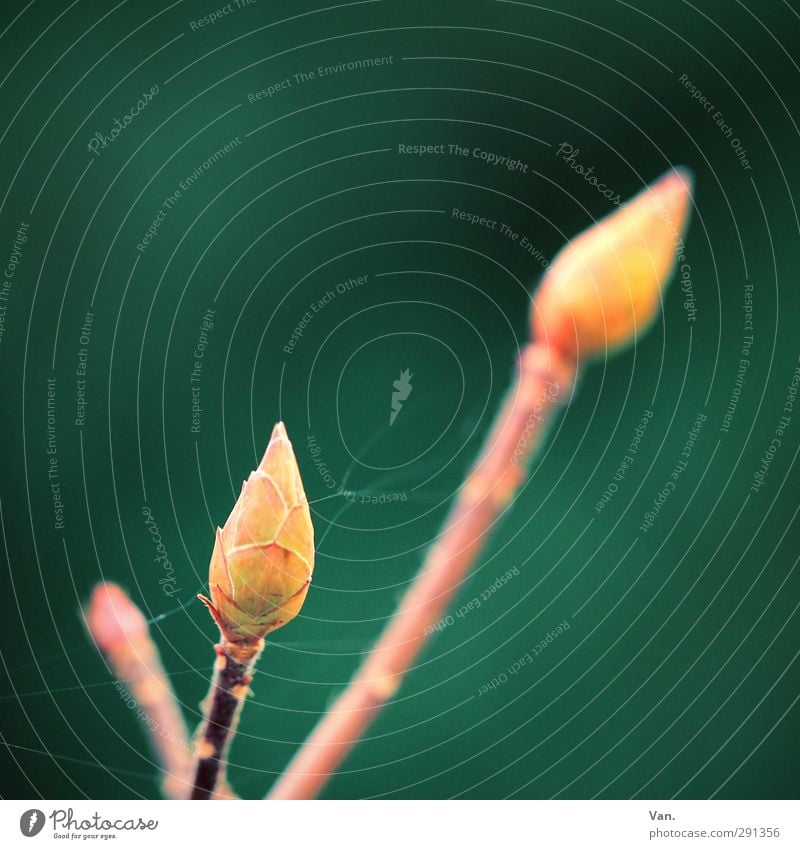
[
  {"x": 680, "y": 177},
  {"x": 279, "y": 432},
  {"x": 113, "y": 619},
  {"x": 674, "y": 190},
  {"x": 277, "y": 436}
]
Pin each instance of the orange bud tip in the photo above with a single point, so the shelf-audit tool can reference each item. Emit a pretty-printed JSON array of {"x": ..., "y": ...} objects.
[
  {"x": 679, "y": 179},
  {"x": 112, "y": 619},
  {"x": 603, "y": 289},
  {"x": 279, "y": 432}
]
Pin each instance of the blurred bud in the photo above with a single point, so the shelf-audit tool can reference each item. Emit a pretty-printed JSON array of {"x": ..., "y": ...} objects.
[
  {"x": 604, "y": 287},
  {"x": 264, "y": 556},
  {"x": 113, "y": 620}
]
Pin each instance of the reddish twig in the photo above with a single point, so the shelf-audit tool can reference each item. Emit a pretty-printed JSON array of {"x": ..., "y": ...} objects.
[
  {"x": 543, "y": 381},
  {"x": 121, "y": 632}
]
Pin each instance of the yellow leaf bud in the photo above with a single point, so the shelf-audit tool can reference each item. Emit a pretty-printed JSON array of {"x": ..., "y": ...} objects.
[
  {"x": 604, "y": 287},
  {"x": 264, "y": 555}
]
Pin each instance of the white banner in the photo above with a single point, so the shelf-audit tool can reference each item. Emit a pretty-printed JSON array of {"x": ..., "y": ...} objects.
[{"x": 404, "y": 824}]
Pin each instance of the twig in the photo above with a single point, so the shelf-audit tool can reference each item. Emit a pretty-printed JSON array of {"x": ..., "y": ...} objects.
[
  {"x": 543, "y": 380},
  {"x": 121, "y": 632},
  {"x": 230, "y": 687}
]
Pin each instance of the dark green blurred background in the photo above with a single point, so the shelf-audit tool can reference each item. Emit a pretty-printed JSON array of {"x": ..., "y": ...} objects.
[{"x": 678, "y": 674}]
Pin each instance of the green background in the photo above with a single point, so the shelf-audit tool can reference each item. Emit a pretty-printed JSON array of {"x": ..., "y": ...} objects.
[{"x": 678, "y": 675}]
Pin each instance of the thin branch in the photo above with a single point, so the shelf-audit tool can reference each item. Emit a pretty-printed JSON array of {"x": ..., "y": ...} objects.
[
  {"x": 120, "y": 631},
  {"x": 222, "y": 707},
  {"x": 542, "y": 382}
]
